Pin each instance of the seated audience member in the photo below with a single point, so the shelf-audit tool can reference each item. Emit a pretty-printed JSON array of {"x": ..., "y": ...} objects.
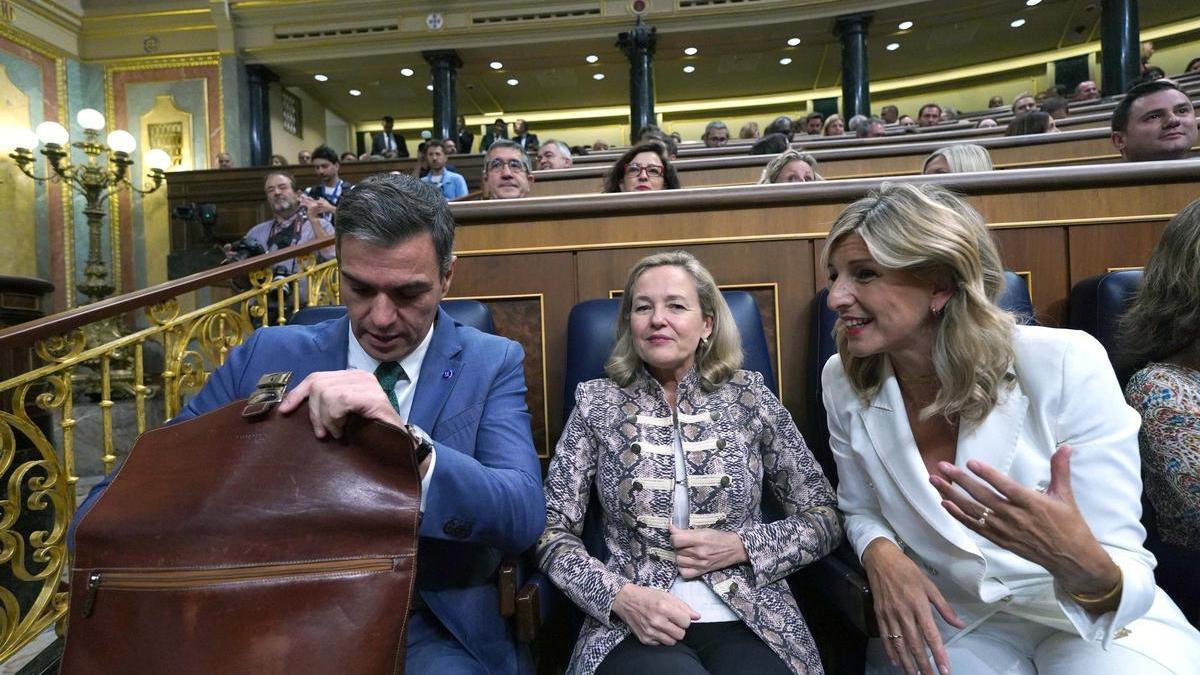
[
  {"x": 644, "y": 167},
  {"x": 450, "y": 146},
  {"x": 1028, "y": 546},
  {"x": 599, "y": 145},
  {"x": 523, "y": 137},
  {"x": 716, "y": 134},
  {"x": 695, "y": 581},
  {"x": 507, "y": 172},
  {"x": 995, "y": 101},
  {"x": 1152, "y": 73},
  {"x": 278, "y": 160},
  {"x": 295, "y": 219},
  {"x": 1023, "y": 103},
  {"x": 929, "y": 115},
  {"x": 1056, "y": 107},
  {"x": 1036, "y": 122},
  {"x": 224, "y": 160},
  {"x": 304, "y": 157},
  {"x": 853, "y": 122},
  {"x": 327, "y": 165},
  {"x": 907, "y": 122},
  {"x": 771, "y": 144},
  {"x": 781, "y": 125},
  {"x": 890, "y": 114},
  {"x": 1193, "y": 66},
  {"x": 497, "y": 131},
  {"x": 749, "y": 130},
  {"x": 464, "y": 138},
  {"x": 1154, "y": 121},
  {"x": 554, "y": 155},
  {"x": 1160, "y": 334},
  {"x": 451, "y": 184},
  {"x": 348, "y": 157},
  {"x": 790, "y": 166},
  {"x": 949, "y": 114},
  {"x": 677, "y": 137},
  {"x": 986, "y": 123},
  {"x": 651, "y": 132},
  {"x": 813, "y": 123},
  {"x": 1086, "y": 91},
  {"x": 871, "y": 128},
  {"x": 388, "y": 141},
  {"x": 833, "y": 126},
  {"x": 958, "y": 158}
]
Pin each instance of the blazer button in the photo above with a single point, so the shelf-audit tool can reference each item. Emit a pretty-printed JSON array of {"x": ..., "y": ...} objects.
[
  {"x": 715, "y": 416},
  {"x": 720, "y": 443},
  {"x": 725, "y": 481},
  {"x": 456, "y": 528},
  {"x": 637, "y": 485},
  {"x": 732, "y": 589},
  {"x": 631, "y": 419},
  {"x": 635, "y": 448}
]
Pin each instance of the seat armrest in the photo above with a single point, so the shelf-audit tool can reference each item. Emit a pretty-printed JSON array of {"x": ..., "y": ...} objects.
[
  {"x": 506, "y": 581},
  {"x": 843, "y": 584},
  {"x": 528, "y": 610}
]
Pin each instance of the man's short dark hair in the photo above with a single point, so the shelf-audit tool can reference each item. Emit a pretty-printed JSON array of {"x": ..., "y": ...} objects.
[
  {"x": 864, "y": 127},
  {"x": 388, "y": 208},
  {"x": 501, "y": 143},
  {"x": 388, "y": 119},
  {"x": 1053, "y": 105},
  {"x": 782, "y": 125},
  {"x": 771, "y": 144},
  {"x": 435, "y": 143},
  {"x": 1191, "y": 64},
  {"x": 814, "y": 115},
  {"x": 929, "y": 105},
  {"x": 889, "y": 107},
  {"x": 290, "y": 177},
  {"x": 1120, "y": 116},
  {"x": 326, "y": 153}
]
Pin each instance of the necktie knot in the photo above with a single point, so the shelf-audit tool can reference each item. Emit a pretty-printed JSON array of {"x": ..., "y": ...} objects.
[{"x": 389, "y": 373}]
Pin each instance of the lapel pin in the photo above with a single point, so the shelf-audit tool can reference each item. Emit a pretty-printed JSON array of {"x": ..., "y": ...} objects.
[{"x": 446, "y": 374}]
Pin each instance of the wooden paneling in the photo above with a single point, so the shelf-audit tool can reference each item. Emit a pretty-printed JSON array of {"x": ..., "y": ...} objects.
[
  {"x": 1096, "y": 249},
  {"x": 1042, "y": 252}
]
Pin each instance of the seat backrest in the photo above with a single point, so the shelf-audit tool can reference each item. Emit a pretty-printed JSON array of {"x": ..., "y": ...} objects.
[
  {"x": 1097, "y": 304},
  {"x": 471, "y": 313},
  {"x": 591, "y": 329},
  {"x": 1014, "y": 298}
]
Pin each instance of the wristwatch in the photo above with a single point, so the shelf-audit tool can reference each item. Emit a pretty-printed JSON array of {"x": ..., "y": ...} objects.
[{"x": 424, "y": 447}]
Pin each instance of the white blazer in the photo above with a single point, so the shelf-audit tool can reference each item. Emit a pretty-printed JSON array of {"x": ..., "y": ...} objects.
[{"x": 1063, "y": 391}]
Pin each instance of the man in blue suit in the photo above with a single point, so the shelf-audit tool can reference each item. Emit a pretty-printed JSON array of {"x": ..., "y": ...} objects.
[{"x": 464, "y": 391}]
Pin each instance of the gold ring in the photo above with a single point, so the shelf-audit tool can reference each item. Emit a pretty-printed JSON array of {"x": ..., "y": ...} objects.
[
  {"x": 982, "y": 519},
  {"x": 897, "y": 636}
]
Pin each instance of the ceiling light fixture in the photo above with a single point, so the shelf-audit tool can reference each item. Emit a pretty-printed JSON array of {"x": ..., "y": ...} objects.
[
  {"x": 792, "y": 42},
  {"x": 597, "y": 76},
  {"x": 1032, "y": 3},
  {"x": 429, "y": 87},
  {"x": 496, "y": 65},
  {"x": 1017, "y": 23},
  {"x": 407, "y": 72},
  {"x": 893, "y": 46},
  {"x": 592, "y": 58},
  {"x": 905, "y": 25},
  {"x": 690, "y": 51},
  {"x": 355, "y": 92},
  {"x": 320, "y": 78},
  {"x": 785, "y": 61},
  {"x": 689, "y": 69},
  {"x": 512, "y": 82}
]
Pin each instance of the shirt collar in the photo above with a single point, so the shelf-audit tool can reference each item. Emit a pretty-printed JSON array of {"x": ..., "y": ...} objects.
[{"x": 357, "y": 358}]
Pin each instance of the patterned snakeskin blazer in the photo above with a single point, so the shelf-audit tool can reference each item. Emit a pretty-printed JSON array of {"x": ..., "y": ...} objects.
[{"x": 737, "y": 439}]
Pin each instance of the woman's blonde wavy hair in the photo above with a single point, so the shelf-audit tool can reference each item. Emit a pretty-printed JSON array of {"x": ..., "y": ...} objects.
[
  {"x": 775, "y": 167},
  {"x": 716, "y": 360},
  {"x": 938, "y": 237}
]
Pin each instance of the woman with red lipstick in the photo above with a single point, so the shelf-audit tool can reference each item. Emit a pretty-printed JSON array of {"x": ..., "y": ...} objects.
[
  {"x": 990, "y": 476},
  {"x": 644, "y": 167},
  {"x": 679, "y": 446}
]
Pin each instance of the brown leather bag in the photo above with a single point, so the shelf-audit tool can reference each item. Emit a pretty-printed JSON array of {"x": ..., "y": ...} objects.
[{"x": 243, "y": 544}]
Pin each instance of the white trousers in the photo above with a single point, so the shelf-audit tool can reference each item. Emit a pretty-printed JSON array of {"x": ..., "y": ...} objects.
[{"x": 1008, "y": 645}]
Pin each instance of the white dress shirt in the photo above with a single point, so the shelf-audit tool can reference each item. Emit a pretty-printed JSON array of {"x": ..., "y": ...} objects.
[{"x": 357, "y": 358}]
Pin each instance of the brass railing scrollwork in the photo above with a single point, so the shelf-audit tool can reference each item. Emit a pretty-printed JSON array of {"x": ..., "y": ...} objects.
[{"x": 95, "y": 396}]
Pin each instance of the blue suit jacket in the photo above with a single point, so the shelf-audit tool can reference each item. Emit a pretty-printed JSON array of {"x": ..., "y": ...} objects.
[{"x": 485, "y": 497}]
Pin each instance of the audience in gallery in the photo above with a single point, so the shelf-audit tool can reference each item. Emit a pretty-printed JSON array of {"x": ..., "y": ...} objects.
[
  {"x": 224, "y": 160},
  {"x": 497, "y": 131},
  {"x": 507, "y": 171},
  {"x": 296, "y": 219},
  {"x": 790, "y": 166},
  {"x": 554, "y": 155},
  {"x": 986, "y": 122},
  {"x": 771, "y": 144},
  {"x": 1086, "y": 91},
  {"x": 1160, "y": 338},
  {"x": 833, "y": 126},
  {"x": 721, "y": 603},
  {"x": 451, "y": 184},
  {"x": 1057, "y": 107},
  {"x": 949, "y": 114},
  {"x": 749, "y": 130},
  {"x": 853, "y": 122},
  {"x": 872, "y": 127},
  {"x": 465, "y": 137},
  {"x": 813, "y": 123},
  {"x": 716, "y": 134},
  {"x": 929, "y": 115},
  {"x": 1155, "y": 121},
  {"x": 995, "y": 102},
  {"x": 599, "y": 145},
  {"x": 783, "y": 125},
  {"x": 1023, "y": 103},
  {"x": 304, "y": 157},
  {"x": 890, "y": 114},
  {"x": 278, "y": 160},
  {"x": 450, "y": 145},
  {"x": 388, "y": 141},
  {"x": 1193, "y": 66},
  {"x": 327, "y": 165},
  {"x": 644, "y": 167},
  {"x": 348, "y": 157},
  {"x": 958, "y": 158},
  {"x": 525, "y": 139},
  {"x": 651, "y": 132},
  {"x": 1035, "y": 122},
  {"x": 907, "y": 121},
  {"x": 1029, "y": 549}
]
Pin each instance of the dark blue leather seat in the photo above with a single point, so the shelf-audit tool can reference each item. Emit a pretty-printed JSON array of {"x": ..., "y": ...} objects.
[{"x": 471, "y": 313}]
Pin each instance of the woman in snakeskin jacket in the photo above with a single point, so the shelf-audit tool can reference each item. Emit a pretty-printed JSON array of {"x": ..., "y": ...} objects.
[{"x": 678, "y": 445}]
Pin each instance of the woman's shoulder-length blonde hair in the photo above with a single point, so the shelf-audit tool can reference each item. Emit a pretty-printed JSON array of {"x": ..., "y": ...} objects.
[
  {"x": 776, "y": 165},
  {"x": 716, "y": 359},
  {"x": 938, "y": 237},
  {"x": 962, "y": 158}
]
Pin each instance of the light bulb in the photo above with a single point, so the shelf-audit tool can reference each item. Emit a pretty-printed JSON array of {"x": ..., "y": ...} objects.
[
  {"x": 122, "y": 141},
  {"x": 24, "y": 139},
  {"x": 157, "y": 158},
  {"x": 52, "y": 132},
  {"x": 90, "y": 119}
]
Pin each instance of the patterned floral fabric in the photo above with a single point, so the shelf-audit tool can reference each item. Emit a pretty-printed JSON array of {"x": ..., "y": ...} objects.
[
  {"x": 1168, "y": 398},
  {"x": 618, "y": 442}
]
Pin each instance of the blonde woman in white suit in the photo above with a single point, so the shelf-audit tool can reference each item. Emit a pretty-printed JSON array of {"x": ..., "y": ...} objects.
[{"x": 990, "y": 475}]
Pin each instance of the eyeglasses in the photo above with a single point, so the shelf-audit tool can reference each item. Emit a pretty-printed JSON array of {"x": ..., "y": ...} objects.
[
  {"x": 652, "y": 170},
  {"x": 512, "y": 164}
]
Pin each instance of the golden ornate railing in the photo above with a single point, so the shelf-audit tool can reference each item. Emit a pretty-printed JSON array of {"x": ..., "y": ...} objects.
[{"x": 92, "y": 359}]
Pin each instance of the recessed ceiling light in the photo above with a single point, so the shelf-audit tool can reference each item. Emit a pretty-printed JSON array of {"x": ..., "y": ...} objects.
[
  {"x": 512, "y": 81},
  {"x": 496, "y": 65},
  {"x": 785, "y": 60},
  {"x": 592, "y": 58},
  {"x": 320, "y": 78},
  {"x": 429, "y": 87},
  {"x": 1017, "y": 23},
  {"x": 1033, "y": 3},
  {"x": 792, "y": 42},
  {"x": 407, "y": 72},
  {"x": 355, "y": 92},
  {"x": 690, "y": 51},
  {"x": 905, "y": 25},
  {"x": 689, "y": 69},
  {"x": 597, "y": 76},
  {"x": 893, "y": 46}
]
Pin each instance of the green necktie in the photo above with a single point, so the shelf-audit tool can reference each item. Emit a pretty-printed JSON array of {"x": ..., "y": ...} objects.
[{"x": 389, "y": 373}]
